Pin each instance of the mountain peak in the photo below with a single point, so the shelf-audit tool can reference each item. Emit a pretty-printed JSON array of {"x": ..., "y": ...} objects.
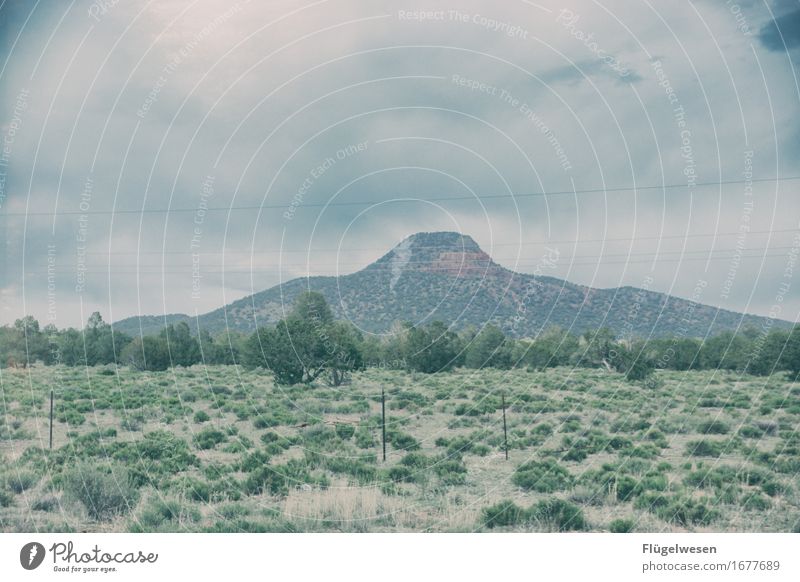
[
  {"x": 443, "y": 241},
  {"x": 446, "y": 253}
]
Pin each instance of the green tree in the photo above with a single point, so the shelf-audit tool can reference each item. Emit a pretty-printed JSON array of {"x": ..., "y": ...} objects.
[
  {"x": 147, "y": 353},
  {"x": 489, "y": 349},
  {"x": 300, "y": 348},
  {"x": 792, "y": 351},
  {"x": 183, "y": 349},
  {"x": 346, "y": 356},
  {"x": 553, "y": 347},
  {"x": 681, "y": 354},
  {"x": 25, "y": 343},
  {"x": 634, "y": 362},
  {"x": 271, "y": 348},
  {"x": 102, "y": 344},
  {"x": 773, "y": 353},
  {"x": 223, "y": 350},
  {"x": 432, "y": 349},
  {"x": 726, "y": 351},
  {"x": 73, "y": 352},
  {"x": 311, "y": 307},
  {"x": 598, "y": 348}
]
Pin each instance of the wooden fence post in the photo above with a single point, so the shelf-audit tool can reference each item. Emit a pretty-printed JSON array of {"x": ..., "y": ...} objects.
[
  {"x": 51, "y": 419},
  {"x": 505, "y": 429},
  {"x": 383, "y": 420}
]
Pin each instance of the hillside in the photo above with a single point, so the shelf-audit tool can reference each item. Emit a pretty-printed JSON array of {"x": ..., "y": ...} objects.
[{"x": 446, "y": 276}]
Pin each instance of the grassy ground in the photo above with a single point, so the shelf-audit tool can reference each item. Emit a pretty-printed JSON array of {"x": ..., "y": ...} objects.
[{"x": 223, "y": 449}]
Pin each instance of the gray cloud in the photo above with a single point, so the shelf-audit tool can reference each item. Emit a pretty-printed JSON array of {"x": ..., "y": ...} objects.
[
  {"x": 782, "y": 33},
  {"x": 261, "y": 107}
]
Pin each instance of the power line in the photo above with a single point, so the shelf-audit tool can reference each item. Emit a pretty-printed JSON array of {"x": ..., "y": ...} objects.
[
  {"x": 371, "y": 202},
  {"x": 427, "y": 247},
  {"x": 531, "y": 262},
  {"x": 388, "y": 268}
]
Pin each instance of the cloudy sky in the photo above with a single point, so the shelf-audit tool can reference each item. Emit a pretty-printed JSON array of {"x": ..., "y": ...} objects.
[{"x": 172, "y": 156}]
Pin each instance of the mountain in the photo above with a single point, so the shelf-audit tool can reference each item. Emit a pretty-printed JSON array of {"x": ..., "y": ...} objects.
[{"x": 446, "y": 276}]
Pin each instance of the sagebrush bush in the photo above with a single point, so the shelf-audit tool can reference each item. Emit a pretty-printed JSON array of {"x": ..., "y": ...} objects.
[
  {"x": 208, "y": 438},
  {"x": 704, "y": 448},
  {"x": 165, "y": 512},
  {"x": 557, "y": 515},
  {"x": 278, "y": 479},
  {"x": 679, "y": 510},
  {"x": 345, "y": 431},
  {"x": 621, "y": 526},
  {"x": 364, "y": 438},
  {"x": 22, "y": 481},
  {"x": 194, "y": 489},
  {"x": 402, "y": 474},
  {"x": 415, "y": 460},
  {"x": 713, "y": 427},
  {"x": 504, "y": 513},
  {"x": 201, "y": 416},
  {"x": 46, "y": 503},
  {"x": 6, "y": 498},
  {"x": 542, "y": 476},
  {"x": 104, "y": 494},
  {"x": 233, "y": 511},
  {"x": 756, "y": 502},
  {"x": 402, "y": 441},
  {"x": 451, "y": 470}
]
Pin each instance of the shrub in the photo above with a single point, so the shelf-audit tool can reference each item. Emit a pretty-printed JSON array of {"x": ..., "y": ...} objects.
[
  {"x": 459, "y": 445},
  {"x": 679, "y": 510},
  {"x": 750, "y": 432},
  {"x": 161, "y": 512},
  {"x": 402, "y": 441},
  {"x": 234, "y": 511},
  {"x": 364, "y": 439},
  {"x": 208, "y": 438},
  {"x": 22, "y": 481},
  {"x": 451, "y": 470},
  {"x": 103, "y": 494},
  {"x": 201, "y": 416},
  {"x": 345, "y": 431},
  {"x": 416, "y": 461},
  {"x": 772, "y": 487},
  {"x": 277, "y": 479},
  {"x": 401, "y": 474},
  {"x": 756, "y": 502},
  {"x": 713, "y": 427},
  {"x": 194, "y": 489},
  {"x": 621, "y": 526},
  {"x": 71, "y": 417},
  {"x": 505, "y": 513},
  {"x": 47, "y": 503},
  {"x": 6, "y": 498},
  {"x": 158, "y": 455},
  {"x": 240, "y": 445},
  {"x": 265, "y": 422},
  {"x": 542, "y": 476},
  {"x": 254, "y": 461},
  {"x": 558, "y": 515},
  {"x": 544, "y": 429},
  {"x": 362, "y": 469},
  {"x": 704, "y": 448},
  {"x": 767, "y": 427}
]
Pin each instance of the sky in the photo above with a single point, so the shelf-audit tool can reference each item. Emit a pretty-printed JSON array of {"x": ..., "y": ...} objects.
[{"x": 173, "y": 156}]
